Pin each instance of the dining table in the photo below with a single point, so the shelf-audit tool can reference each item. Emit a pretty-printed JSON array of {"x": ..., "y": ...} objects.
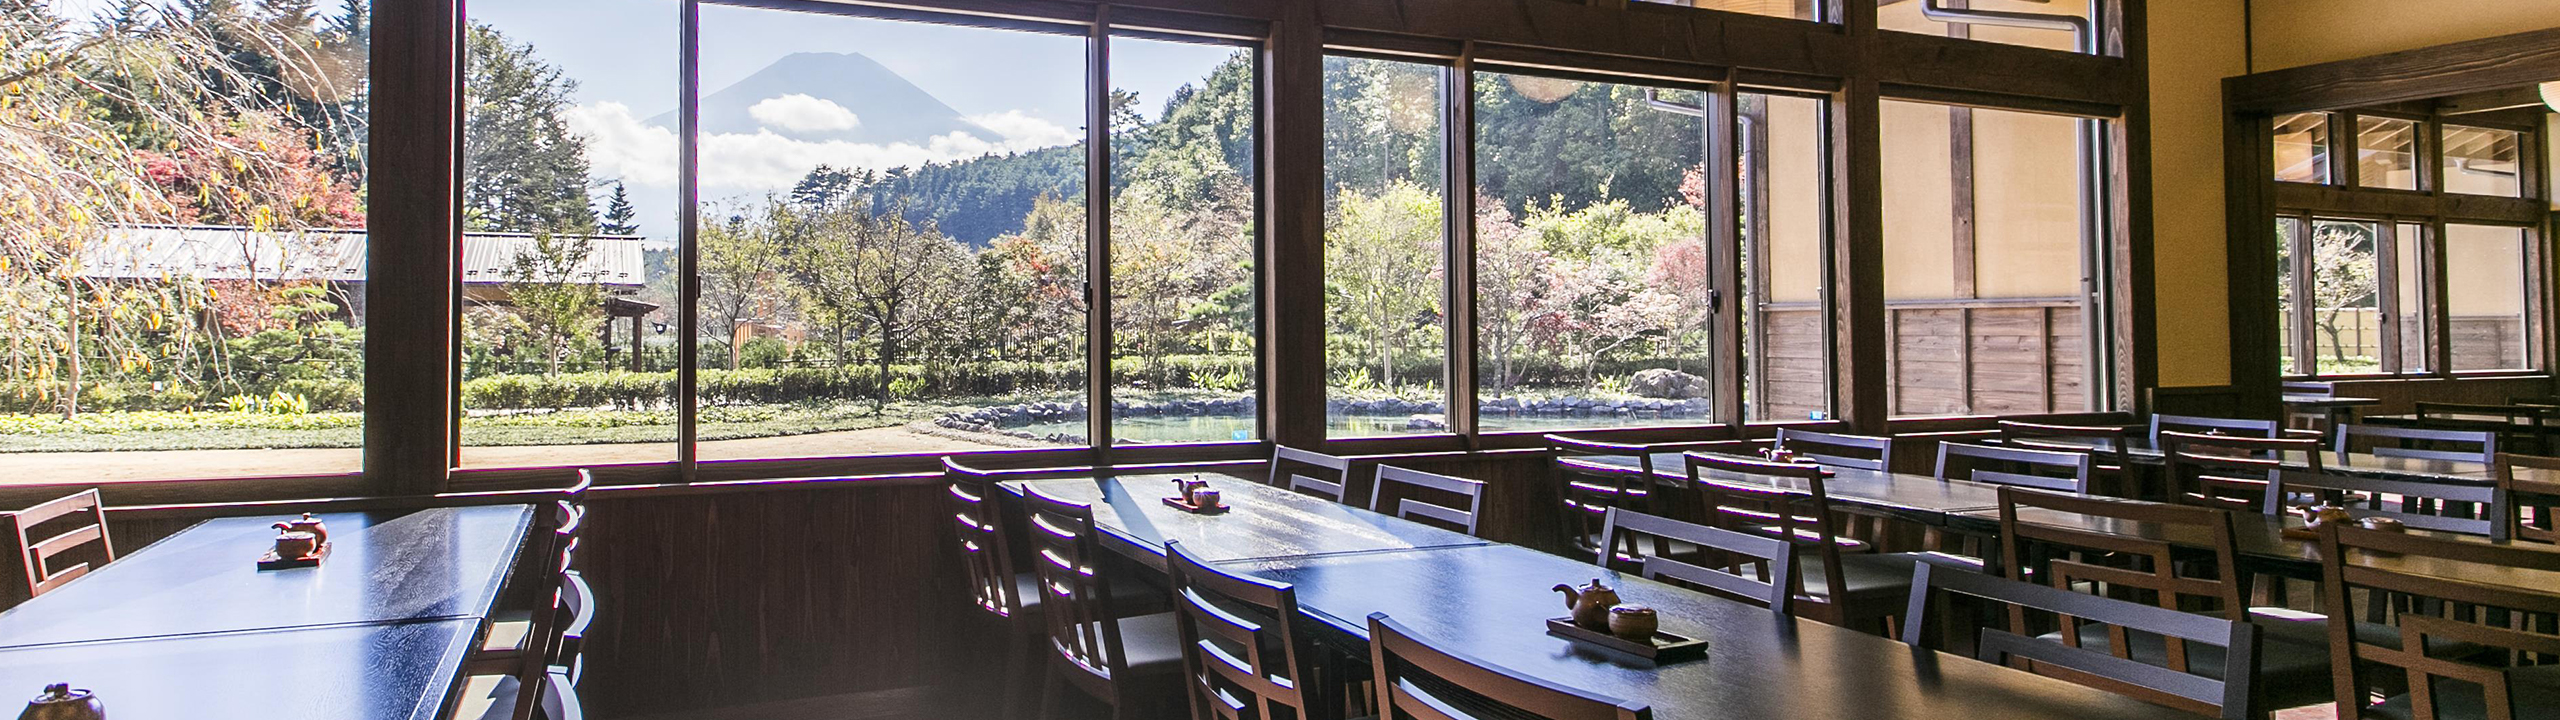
[
  {"x": 2140, "y": 449},
  {"x": 2263, "y": 545},
  {"x": 191, "y": 624},
  {"x": 1491, "y": 601},
  {"x": 1918, "y": 498}
]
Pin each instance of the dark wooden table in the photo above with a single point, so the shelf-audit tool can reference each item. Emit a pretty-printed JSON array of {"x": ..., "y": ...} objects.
[
  {"x": 382, "y": 567},
  {"x": 1266, "y": 522},
  {"x": 2358, "y": 464},
  {"x": 1919, "y": 498},
  {"x": 1492, "y": 602},
  {"x": 2335, "y": 409},
  {"x": 394, "y": 671}
]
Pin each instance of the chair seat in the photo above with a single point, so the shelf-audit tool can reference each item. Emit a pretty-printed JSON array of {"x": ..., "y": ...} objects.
[
  {"x": 2533, "y": 690},
  {"x": 507, "y": 629},
  {"x": 1153, "y": 644},
  {"x": 1124, "y": 596},
  {"x": 1874, "y": 574}
]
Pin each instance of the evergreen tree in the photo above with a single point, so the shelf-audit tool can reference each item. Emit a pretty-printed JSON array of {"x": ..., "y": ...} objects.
[
  {"x": 618, "y": 214},
  {"x": 522, "y": 170}
]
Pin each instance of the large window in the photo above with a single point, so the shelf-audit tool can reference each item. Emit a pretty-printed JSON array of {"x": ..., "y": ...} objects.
[
  {"x": 568, "y": 252},
  {"x": 1385, "y": 247},
  {"x": 182, "y": 240},
  {"x": 1786, "y": 328},
  {"x": 2489, "y": 297},
  {"x": 1183, "y": 300},
  {"x": 1592, "y": 290},
  {"x": 1989, "y": 292}
]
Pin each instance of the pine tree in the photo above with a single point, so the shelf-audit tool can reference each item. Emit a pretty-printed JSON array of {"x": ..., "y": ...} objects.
[
  {"x": 618, "y": 213},
  {"x": 522, "y": 170}
]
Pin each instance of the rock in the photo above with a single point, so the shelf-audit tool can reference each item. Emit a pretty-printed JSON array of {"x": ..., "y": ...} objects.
[
  {"x": 1667, "y": 383},
  {"x": 1425, "y": 422}
]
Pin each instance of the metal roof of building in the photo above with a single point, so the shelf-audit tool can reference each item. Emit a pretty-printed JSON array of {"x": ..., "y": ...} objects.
[{"x": 234, "y": 253}]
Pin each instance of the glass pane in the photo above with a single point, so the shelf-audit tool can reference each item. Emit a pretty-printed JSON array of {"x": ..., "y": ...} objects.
[
  {"x": 1798, "y": 9},
  {"x": 1385, "y": 247},
  {"x": 892, "y": 236},
  {"x": 1590, "y": 256},
  {"x": 1987, "y": 316},
  {"x": 1183, "y": 307},
  {"x": 182, "y": 242},
  {"x": 1909, "y": 17},
  {"x": 2410, "y": 281},
  {"x": 2286, "y": 319},
  {"x": 2481, "y": 161},
  {"x": 1786, "y": 339},
  {"x": 2346, "y": 310},
  {"x": 2387, "y": 153},
  {"x": 2487, "y": 297},
  {"x": 2302, "y": 147},
  {"x": 568, "y": 209}
]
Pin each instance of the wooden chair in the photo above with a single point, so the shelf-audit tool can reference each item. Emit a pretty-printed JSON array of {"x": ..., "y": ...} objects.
[
  {"x": 2110, "y": 446},
  {"x": 2190, "y": 681},
  {"x": 2199, "y": 425},
  {"x": 560, "y": 663},
  {"x": 1011, "y": 598},
  {"x": 1132, "y": 664},
  {"x": 2442, "y": 507},
  {"x": 2126, "y": 548},
  {"x": 1402, "y": 484},
  {"x": 1587, "y": 490},
  {"x": 1751, "y": 568},
  {"x": 1849, "y": 451},
  {"x": 1417, "y": 680},
  {"x": 1287, "y": 463},
  {"x": 1245, "y": 652},
  {"x": 2310, "y": 419},
  {"x": 2528, "y": 504},
  {"x": 2231, "y": 472},
  {"x": 2472, "y": 446},
  {"x": 37, "y": 555},
  {"x": 524, "y": 643},
  {"x": 2484, "y": 647},
  {"x": 1841, "y": 582},
  {"x": 2057, "y": 470}
]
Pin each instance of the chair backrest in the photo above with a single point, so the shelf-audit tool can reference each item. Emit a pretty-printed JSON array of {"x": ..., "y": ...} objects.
[
  {"x": 2438, "y": 610},
  {"x": 2428, "y": 411},
  {"x": 2310, "y": 387},
  {"x": 986, "y": 543},
  {"x": 573, "y": 611},
  {"x": 2205, "y": 425},
  {"x": 1417, "y": 680},
  {"x": 2059, "y": 470},
  {"x": 2529, "y": 503},
  {"x": 569, "y": 519},
  {"x": 2476, "y": 446},
  {"x": 1802, "y": 518},
  {"x": 1587, "y": 490},
  {"x": 2201, "y": 573},
  {"x": 1412, "y": 490},
  {"x": 1756, "y": 569},
  {"x": 87, "y": 523},
  {"x": 560, "y": 699},
  {"x": 2108, "y": 444},
  {"x": 1290, "y": 468},
  {"x": 1075, "y": 593},
  {"x": 1233, "y": 627},
  {"x": 2175, "y": 682},
  {"x": 2443, "y": 507},
  {"x": 2232, "y": 472},
  {"x": 1849, "y": 451}
]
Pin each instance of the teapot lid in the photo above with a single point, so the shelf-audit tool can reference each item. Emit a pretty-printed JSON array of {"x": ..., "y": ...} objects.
[{"x": 60, "y": 693}]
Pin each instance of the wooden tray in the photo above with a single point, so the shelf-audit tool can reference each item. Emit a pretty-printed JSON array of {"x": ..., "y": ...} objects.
[
  {"x": 1186, "y": 506},
  {"x": 269, "y": 561},
  {"x": 1663, "y": 648}
]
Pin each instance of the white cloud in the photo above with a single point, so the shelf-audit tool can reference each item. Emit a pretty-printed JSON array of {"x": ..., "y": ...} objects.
[
  {"x": 620, "y": 145},
  {"x": 797, "y": 112},
  {"x": 1024, "y": 132}
]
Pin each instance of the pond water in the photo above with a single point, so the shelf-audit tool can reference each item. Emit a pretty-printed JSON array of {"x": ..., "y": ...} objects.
[{"x": 1212, "y": 428}]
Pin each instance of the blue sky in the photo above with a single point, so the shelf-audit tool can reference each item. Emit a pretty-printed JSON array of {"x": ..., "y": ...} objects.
[{"x": 622, "y": 53}]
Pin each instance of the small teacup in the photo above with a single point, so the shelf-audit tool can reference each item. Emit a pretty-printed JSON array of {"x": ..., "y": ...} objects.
[
  {"x": 297, "y": 544},
  {"x": 1204, "y": 498},
  {"x": 1633, "y": 622}
]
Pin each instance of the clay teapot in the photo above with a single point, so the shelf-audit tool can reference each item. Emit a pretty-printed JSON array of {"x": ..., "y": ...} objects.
[
  {"x": 2317, "y": 515},
  {"x": 1590, "y": 604},
  {"x": 60, "y": 702},
  {"x": 307, "y": 524}
]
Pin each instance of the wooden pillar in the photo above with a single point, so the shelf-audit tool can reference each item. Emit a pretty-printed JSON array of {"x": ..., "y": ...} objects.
[
  {"x": 1857, "y": 259},
  {"x": 1293, "y": 369},
  {"x": 411, "y": 199}
]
